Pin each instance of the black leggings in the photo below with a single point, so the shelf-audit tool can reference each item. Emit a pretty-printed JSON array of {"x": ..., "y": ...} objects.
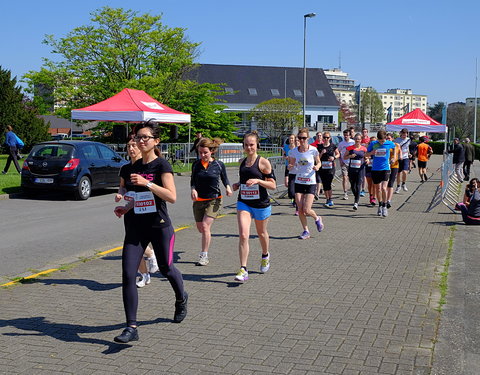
[
  {"x": 327, "y": 178},
  {"x": 356, "y": 177},
  {"x": 291, "y": 186},
  {"x": 136, "y": 240}
]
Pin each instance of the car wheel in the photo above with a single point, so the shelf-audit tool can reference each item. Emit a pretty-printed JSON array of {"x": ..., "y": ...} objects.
[{"x": 84, "y": 189}]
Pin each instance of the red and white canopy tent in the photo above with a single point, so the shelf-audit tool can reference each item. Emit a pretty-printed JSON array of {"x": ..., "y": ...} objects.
[
  {"x": 130, "y": 105},
  {"x": 417, "y": 121}
]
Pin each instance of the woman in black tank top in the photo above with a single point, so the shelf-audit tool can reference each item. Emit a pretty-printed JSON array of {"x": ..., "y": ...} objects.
[{"x": 256, "y": 177}]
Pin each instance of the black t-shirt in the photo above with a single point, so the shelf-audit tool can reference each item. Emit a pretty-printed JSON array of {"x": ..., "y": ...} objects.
[
  {"x": 152, "y": 172},
  {"x": 329, "y": 151}
]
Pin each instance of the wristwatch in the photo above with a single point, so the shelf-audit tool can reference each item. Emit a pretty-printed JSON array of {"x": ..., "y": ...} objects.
[{"x": 149, "y": 184}]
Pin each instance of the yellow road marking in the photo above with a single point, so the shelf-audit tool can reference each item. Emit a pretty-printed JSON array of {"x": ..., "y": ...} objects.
[{"x": 102, "y": 253}]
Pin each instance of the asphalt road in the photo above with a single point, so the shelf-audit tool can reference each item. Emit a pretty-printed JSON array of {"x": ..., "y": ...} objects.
[{"x": 51, "y": 230}]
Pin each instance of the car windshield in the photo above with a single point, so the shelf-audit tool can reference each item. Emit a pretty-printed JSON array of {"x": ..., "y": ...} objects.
[{"x": 51, "y": 151}]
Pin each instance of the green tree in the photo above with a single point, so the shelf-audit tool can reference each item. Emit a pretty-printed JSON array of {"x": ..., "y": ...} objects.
[
  {"x": 277, "y": 116},
  {"x": 207, "y": 117},
  {"x": 18, "y": 112},
  {"x": 371, "y": 107},
  {"x": 118, "y": 49}
]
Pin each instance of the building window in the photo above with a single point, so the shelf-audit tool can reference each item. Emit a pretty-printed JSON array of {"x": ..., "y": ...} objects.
[
  {"x": 229, "y": 91},
  {"x": 252, "y": 91},
  {"x": 275, "y": 92},
  {"x": 297, "y": 93},
  {"x": 319, "y": 93}
]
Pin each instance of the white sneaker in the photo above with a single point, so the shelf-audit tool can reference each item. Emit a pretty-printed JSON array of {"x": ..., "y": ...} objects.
[
  {"x": 143, "y": 280},
  {"x": 355, "y": 206},
  {"x": 265, "y": 264},
  {"x": 203, "y": 260},
  {"x": 379, "y": 211},
  {"x": 152, "y": 264},
  {"x": 404, "y": 187},
  {"x": 384, "y": 211},
  {"x": 242, "y": 275},
  {"x": 397, "y": 190},
  {"x": 345, "y": 196}
]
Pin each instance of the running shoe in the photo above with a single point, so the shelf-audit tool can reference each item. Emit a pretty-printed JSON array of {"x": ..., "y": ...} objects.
[
  {"x": 319, "y": 224},
  {"x": 380, "y": 211},
  {"x": 345, "y": 196},
  {"x": 389, "y": 204},
  {"x": 426, "y": 178},
  {"x": 385, "y": 212},
  {"x": 265, "y": 264},
  {"x": 362, "y": 193},
  {"x": 296, "y": 213},
  {"x": 374, "y": 201},
  {"x": 305, "y": 235},
  {"x": 397, "y": 190},
  {"x": 242, "y": 275},
  {"x": 143, "y": 280},
  {"x": 330, "y": 204},
  {"x": 355, "y": 206},
  {"x": 404, "y": 187},
  {"x": 181, "y": 309},
  {"x": 203, "y": 260},
  {"x": 293, "y": 203},
  {"x": 128, "y": 334},
  {"x": 152, "y": 264},
  {"x": 316, "y": 196}
]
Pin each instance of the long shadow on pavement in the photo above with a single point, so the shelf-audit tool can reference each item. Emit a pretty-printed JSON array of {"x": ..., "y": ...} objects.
[{"x": 70, "y": 332}]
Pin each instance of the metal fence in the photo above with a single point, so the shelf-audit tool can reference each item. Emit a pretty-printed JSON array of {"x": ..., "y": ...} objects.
[{"x": 449, "y": 187}]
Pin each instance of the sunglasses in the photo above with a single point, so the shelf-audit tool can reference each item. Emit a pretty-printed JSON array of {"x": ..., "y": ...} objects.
[
  {"x": 302, "y": 138},
  {"x": 326, "y": 137}
]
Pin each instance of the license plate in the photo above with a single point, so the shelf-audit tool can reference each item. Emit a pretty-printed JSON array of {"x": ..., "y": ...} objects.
[{"x": 44, "y": 180}]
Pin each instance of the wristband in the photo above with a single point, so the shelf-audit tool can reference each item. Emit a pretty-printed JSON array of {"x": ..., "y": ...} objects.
[{"x": 149, "y": 184}]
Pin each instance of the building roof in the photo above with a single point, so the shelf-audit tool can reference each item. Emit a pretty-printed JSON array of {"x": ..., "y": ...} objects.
[{"x": 247, "y": 84}]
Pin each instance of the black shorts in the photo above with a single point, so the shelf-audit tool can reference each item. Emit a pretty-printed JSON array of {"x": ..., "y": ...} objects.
[
  {"x": 305, "y": 189},
  {"x": 422, "y": 164},
  {"x": 393, "y": 177},
  {"x": 380, "y": 176}
]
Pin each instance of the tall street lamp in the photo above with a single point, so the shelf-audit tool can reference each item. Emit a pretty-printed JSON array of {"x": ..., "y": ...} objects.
[{"x": 309, "y": 15}]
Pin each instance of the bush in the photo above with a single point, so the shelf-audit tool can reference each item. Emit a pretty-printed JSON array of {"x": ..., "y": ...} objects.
[{"x": 438, "y": 148}]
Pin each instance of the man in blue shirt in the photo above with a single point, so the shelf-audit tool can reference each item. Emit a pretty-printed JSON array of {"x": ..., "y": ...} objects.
[
  {"x": 380, "y": 151},
  {"x": 11, "y": 143}
]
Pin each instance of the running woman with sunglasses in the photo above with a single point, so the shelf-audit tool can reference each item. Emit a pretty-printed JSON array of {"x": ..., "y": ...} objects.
[
  {"x": 305, "y": 161},
  {"x": 328, "y": 153},
  {"x": 150, "y": 181},
  {"x": 256, "y": 176},
  {"x": 355, "y": 154},
  {"x": 134, "y": 155}
]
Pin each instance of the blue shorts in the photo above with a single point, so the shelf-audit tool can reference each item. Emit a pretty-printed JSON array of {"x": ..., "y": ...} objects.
[
  {"x": 403, "y": 165},
  {"x": 256, "y": 213}
]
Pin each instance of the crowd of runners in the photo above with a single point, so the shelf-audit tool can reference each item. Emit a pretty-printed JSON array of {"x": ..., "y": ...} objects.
[{"x": 377, "y": 166}]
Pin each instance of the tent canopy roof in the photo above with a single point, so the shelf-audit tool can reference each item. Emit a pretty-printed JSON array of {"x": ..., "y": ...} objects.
[
  {"x": 130, "y": 105},
  {"x": 417, "y": 121}
]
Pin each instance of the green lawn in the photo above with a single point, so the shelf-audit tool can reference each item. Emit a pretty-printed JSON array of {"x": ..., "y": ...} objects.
[{"x": 10, "y": 182}]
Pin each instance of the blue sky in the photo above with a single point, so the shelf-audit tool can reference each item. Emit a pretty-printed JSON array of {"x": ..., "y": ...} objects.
[{"x": 429, "y": 46}]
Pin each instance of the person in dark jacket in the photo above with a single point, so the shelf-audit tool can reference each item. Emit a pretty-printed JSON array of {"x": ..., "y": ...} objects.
[
  {"x": 12, "y": 147},
  {"x": 458, "y": 158},
  {"x": 469, "y": 158},
  {"x": 470, "y": 207}
]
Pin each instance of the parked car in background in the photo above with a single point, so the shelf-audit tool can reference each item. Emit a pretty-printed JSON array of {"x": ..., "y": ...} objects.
[{"x": 76, "y": 166}]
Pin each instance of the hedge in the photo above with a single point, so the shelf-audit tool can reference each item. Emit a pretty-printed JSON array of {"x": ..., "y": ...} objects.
[{"x": 438, "y": 148}]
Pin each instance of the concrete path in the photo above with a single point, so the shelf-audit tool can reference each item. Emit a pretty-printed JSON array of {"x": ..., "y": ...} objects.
[{"x": 359, "y": 298}]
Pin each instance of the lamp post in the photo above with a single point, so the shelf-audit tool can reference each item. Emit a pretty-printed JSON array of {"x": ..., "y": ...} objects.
[{"x": 309, "y": 15}]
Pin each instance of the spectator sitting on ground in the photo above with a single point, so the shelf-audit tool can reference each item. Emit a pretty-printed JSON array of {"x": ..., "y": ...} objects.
[{"x": 470, "y": 207}]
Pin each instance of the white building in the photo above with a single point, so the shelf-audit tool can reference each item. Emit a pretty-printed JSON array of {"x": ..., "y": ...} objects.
[
  {"x": 402, "y": 101},
  {"x": 470, "y": 102}
]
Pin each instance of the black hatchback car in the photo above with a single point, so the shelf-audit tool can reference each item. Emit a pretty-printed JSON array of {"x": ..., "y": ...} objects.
[{"x": 77, "y": 166}]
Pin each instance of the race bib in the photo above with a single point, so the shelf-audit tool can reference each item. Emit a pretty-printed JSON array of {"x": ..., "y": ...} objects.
[
  {"x": 144, "y": 203},
  {"x": 404, "y": 155},
  {"x": 381, "y": 152},
  {"x": 249, "y": 192},
  {"x": 305, "y": 178},
  {"x": 355, "y": 163},
  {"x": 327, "y": 164}
]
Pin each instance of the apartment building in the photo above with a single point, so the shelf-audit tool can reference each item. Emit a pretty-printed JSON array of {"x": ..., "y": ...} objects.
[{"x": 402, "y": 101}]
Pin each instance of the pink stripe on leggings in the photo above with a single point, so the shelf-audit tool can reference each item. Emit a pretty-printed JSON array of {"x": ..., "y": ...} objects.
[{"x": 170, "y": 250}]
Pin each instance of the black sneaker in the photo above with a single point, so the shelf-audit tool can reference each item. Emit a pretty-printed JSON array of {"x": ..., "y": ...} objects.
[
  {"x": 128, "y": 334},
  {"x": 389, "y": 204},
  {"x": 180, "y": 309}
]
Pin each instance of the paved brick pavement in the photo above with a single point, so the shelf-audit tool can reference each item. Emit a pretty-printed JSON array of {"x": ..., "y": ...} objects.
[{"x": 358, "y": 298}]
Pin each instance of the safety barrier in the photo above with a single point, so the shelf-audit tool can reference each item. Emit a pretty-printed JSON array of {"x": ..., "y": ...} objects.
[{"x": 449, "y": 187}]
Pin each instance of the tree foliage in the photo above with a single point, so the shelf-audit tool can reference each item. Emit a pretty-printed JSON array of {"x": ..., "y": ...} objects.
[
  {"x": 345, "y": 114},
  {"x": 460, "y": 119},
  {"x": 277, "y": 116},
  {"x": 371, "y": 107},
  {"x": 18, "y": 112}
]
